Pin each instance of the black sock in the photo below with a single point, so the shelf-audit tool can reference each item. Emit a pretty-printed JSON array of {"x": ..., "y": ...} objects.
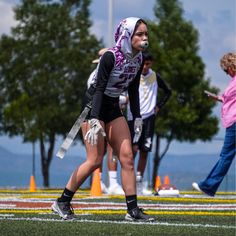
[
  {"x": 131, "y": 202},
  {"x": 66, "y": 196}
]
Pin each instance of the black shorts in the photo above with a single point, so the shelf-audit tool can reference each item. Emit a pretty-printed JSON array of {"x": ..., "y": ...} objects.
[
  {"x": 145, "y": 141},
  {"x": 110, "y": 109}
]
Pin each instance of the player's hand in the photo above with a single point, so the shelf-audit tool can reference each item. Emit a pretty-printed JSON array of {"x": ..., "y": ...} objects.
[
  {"x": 95, "y": 128},
  {"x": 138, "y": 125}
]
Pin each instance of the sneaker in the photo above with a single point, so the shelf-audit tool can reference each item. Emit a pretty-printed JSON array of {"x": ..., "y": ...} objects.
[
  {"x": 104, "y": 188},
  {"x": 139, "y": 184},
  {"x": 139, "y": 187},
  {"x": 196, "y": 187},
  {"x": 142, "y": 189},
  {"x": 63, "y": 209},
  {"x": 116, "y": 189},
  {"x": 146, "y": 192},
  {"x": 145, "y": 189},
  {"x": 137, "y": 214}
]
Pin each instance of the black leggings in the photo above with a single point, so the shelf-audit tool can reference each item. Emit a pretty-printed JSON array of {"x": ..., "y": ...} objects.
[{"x": 110, "y": 109}]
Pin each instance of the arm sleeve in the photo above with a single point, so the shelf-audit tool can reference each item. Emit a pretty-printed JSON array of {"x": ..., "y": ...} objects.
[
  {"x": 166, "y": 89},
  {"x": 133, "y": 92},
  {"x": 105, "y": 67}
]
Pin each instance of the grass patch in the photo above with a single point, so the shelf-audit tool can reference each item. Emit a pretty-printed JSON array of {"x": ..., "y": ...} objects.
[
  {"x": 188, "y": 216},
  {"x": 167, "y": 226}
]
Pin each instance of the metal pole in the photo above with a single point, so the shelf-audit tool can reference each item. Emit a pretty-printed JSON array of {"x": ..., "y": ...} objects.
[
  {"x": 110, "y": 23},
  {"x": 33, "y": 160}
]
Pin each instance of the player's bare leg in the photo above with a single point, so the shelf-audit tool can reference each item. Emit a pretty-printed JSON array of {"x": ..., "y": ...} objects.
[
  {"x": 120, "y": 140},
  {"x": 62, "y": 206},
  {"x": 94, "y": 159},
  {"x": 142, "y": 162},
  {"x": 112, "y": 164}
]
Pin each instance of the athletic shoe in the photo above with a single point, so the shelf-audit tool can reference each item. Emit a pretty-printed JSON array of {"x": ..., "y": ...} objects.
[
  {"x": 196, "y": 187},
  {"x": 104, "y": 188},
  {"x": 139, "y": 187},
  {"x": 146, "y": 192},
  {"x": 64, "y": 210},
  {"x": 139, "y": 184},
  {"x": 137, "y": 214},
  {"x": 116, "y": 189}
]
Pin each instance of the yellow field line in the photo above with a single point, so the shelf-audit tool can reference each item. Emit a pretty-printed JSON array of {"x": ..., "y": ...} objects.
[
  {"x": 85, "y": 193},
  {"x": 59, "y": 190},
  {"x": 181, "y": 199},
  {"x": 198, "y": 193},
  {"x": 152, "y": 198},
  {"x": 39, "y": 191},
  {"x": 112, "y": 212}
]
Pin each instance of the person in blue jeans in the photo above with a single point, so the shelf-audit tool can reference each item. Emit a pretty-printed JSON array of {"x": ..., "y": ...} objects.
[{"x": 212, "y": 182}]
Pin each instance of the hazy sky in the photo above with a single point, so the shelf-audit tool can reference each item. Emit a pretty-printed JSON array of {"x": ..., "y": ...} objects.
[{"x": 214, "y": 19}]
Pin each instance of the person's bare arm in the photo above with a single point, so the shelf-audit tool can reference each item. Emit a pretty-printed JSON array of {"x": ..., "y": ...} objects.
[{"x": 213, "y": 96}]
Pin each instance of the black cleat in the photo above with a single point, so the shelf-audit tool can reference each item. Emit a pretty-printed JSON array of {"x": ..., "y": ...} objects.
[
  {"x": 137, "y": 214},
  {"x": 64, "y": 210}
]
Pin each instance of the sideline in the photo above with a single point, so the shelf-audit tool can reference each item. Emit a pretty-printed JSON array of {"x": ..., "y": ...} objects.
[{"x": 119, "y": 222}]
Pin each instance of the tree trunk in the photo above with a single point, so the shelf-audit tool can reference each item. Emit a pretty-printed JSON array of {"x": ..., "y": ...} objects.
[
  {"x": 46, "y": 176},
  {"x": 46, "y": 158},
  {"x": 156, "y": 161},
  {"x": 158, "y": 157}
]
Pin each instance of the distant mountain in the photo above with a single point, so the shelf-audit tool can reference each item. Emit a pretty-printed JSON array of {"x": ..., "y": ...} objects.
[
  {"x": 13, "y": 162},
  {"x": 185, "y": 169},
  {"x": 4, "y": 152},
  {"x": 16, "y": 169}
]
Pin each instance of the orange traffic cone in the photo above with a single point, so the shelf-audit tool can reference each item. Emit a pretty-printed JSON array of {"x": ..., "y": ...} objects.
[
  {"x": 32, "y": 187},
  {"x": 166, "y": 180},
  {"x": 157, "y": 182},
  {"x": 96, "y": 189}
]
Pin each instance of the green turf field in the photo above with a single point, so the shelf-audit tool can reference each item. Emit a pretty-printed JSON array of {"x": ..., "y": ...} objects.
[{"x": 25, "y": 213}]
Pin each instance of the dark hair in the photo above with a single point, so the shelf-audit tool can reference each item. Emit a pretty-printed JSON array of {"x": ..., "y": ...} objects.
[
  {"x": 139, "y": 22},
  {"x": 147, "y": 56}
]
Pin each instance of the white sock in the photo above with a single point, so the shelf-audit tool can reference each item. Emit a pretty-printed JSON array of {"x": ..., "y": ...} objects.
[
  {"x": 139, "y": 177},
  {"x": 112, "y": 177}
]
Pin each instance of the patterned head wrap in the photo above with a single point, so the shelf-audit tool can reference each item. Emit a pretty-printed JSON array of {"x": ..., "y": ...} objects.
[{"x": 123, "y": 35}]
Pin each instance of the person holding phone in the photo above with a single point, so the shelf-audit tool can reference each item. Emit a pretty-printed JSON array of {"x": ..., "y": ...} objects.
[{"x": 212, "y": 182}]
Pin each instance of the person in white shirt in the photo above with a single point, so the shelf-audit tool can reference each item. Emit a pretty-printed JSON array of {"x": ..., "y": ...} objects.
[{"x": 150, "y": 105}]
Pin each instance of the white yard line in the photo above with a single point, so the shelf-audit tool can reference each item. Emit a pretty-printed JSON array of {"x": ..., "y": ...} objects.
[
  {"x": 5, "y": 206},
  {"x": 122, "y": 204},
  {"x": 120, "y": 222},
  {"x": 117, "y": 206},
  {"x": 6, "y": 215},
  {"x": 122, "y": 208}
]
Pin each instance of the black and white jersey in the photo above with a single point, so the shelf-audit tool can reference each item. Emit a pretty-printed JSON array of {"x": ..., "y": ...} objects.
[{"x": 115, "y": 74}]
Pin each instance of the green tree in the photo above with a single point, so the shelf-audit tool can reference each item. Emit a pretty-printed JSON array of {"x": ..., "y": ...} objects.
[
  {"x": 44, "y": 66},
  {"x": 188, "y": 114}
]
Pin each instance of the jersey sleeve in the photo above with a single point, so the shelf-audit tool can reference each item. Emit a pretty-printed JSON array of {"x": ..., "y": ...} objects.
[
  {"x": 133, "y": 92},
  {"x": 105, "y": 67}
]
